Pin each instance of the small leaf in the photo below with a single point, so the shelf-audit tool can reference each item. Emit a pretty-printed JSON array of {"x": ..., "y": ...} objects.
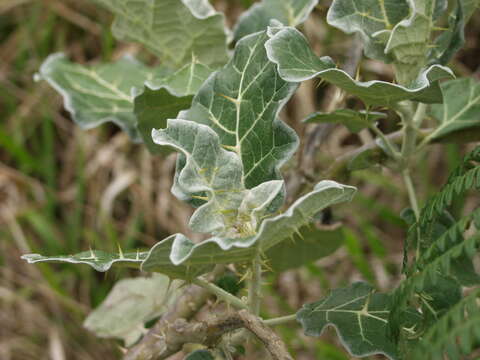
[
  {"x": 129, "y": 305},
  {"x": 311, "y": 243},
  {"x": 99, "y": 260},
  {"x": 296, "y": 62},
  {"x": 288, "y": 12},
  {"x": 358, "y": 314},
  {"x": 97, "y": 94},
  {"x": 176, "y": 31},
  {"x": 355, "y": 121},
  {"x": 461, "y": 108},
  {"x": 367, "y": 159},
  {"x": 373, "y": 19},
  {"x": 200, "y": 355}
]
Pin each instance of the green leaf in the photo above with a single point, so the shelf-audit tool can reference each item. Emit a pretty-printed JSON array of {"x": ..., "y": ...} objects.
[
  {"x": 373, "y": 19},
  {"x": 358, "y": 314},
  {"x": 288, "y": 12},
  {"x": 97, "y": 94},
  {"x": 199, "y": 258},
  {"x": 311, "y": 244},
  {"x": 367, "y": 159},
  {"x": 241, "y": 103},
  {"x": 97, "y": 259},
  {"x": 129, "y": 305},
  {"x": 355, "y": 121},
  {"x": 461, "y": 109},
  {"x": 200, "y": 355},
  {"x": 177, "y": 31},
  {"x": 210, "y": 169},
  {"x": 296, "y": 62},
  {"x": 152, "y": 109}
]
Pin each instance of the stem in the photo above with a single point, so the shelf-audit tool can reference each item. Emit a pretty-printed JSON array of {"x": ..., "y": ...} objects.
[
  {"x": 390, "y": 146},
  {"x": 410, "y": 132},
  {"x": 220, "y": 293},
  {"x": 280, "y": 320},
  {"x": 412, "y": 196},
  {"x": 254, "y": 292}
]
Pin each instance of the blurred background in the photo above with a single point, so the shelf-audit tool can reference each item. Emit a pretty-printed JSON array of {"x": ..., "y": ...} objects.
[{"x": 63, "y": 190}]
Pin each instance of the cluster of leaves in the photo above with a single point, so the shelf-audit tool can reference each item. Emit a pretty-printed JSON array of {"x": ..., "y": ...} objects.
[{"x": 220, "y": 112}]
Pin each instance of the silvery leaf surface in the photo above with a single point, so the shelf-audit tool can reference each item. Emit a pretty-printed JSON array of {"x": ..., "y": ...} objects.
[
  {"x": 296, "y": 62},
  {"x": 130, "y": 304},
  {"x": 97, "y": 259},
  {"x": 199, "y": 258},
  {"x": 177, "y": 31},
  {"x": 288, "y": 12}
]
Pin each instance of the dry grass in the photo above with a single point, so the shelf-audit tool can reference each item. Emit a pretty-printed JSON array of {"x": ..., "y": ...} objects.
[{"x": 63, "y": 190}]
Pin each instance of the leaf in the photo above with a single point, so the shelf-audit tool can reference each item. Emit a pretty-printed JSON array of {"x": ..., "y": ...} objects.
[
  {"x": 200, "y": 355},
  {"x": 372, "y": 19},
  {"x": 241, "y": 103},
  {"x": 296, "y": 62},
  {"x": 101, "y": 93},
  {"x": 129, "y": 305},
  {"x": 367, "y": 159},
  {"x": 355, "y": 121},
  {"x": 410, "y": 38},
  {"x": 209, "y": 169},
  {"x": 461, "y": 109},
  {"x": 99, "y": 260},
  {"x": 199, "y": 258},
  {"x": 177, "y": 31},
  {"x": 311, "y": 244},
  {"x": 152, "y": 109},
  {"x": 288, "y": 12},
  {"x": 358, "y": 315}
]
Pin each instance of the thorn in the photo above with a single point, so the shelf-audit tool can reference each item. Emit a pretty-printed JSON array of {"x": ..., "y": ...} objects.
[
  {"x": 235, "y": 101},
  {"x": 231, "y": 148},
  {"x": 120, "y": 252},
  {"x": 204, "y": 198},
  {"x": 138, "y": 255}
]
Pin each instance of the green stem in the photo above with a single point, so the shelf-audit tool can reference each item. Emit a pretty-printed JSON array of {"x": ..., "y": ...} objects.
[
  {"x": 390, "y": 146},
  {"x": 280, "y": 320},
  {"x": 412, "y": 196},
  {"x": 410, "y": 132},
  {"x": 255, "y": 287},
  {"x": 220, "y": 293}
]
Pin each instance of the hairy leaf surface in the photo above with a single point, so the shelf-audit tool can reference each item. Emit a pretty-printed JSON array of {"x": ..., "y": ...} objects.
[
  {"x": 129, "y": 305},
  {"x": 288, "y": 12},
  {"x": 296, "y": 62},
  {"x": 97, "y": 94},
  {"x": 177, "y": 31},
  {"x": 272, "y": 231},
  {"x": 241, "y": 103},
  {"x": 358, "y": 314}
]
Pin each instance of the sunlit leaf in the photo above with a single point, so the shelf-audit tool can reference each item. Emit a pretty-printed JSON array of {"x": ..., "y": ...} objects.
[{"x": 296, "y": 62}]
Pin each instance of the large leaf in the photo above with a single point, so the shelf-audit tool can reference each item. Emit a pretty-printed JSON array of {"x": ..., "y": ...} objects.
[
  {"x": 241, "y": 103},
  {"x": 99, "y": 260},
  {"x": 201, "y": 257},
  {"x": 100, "y": 93},
  {"x": 129, "y": 305},
  {"x": 296, "y": 62},
  {"x": 358, "y": 314},
  {"x": 373, "y": 19},
  {"x": 288, "y": 12},
  {"x": 461, "y": 109},
  {"x": 352, "y": 119},
  {"x": 310, "y": 244},
  {"x": 175, "y": 30}
]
